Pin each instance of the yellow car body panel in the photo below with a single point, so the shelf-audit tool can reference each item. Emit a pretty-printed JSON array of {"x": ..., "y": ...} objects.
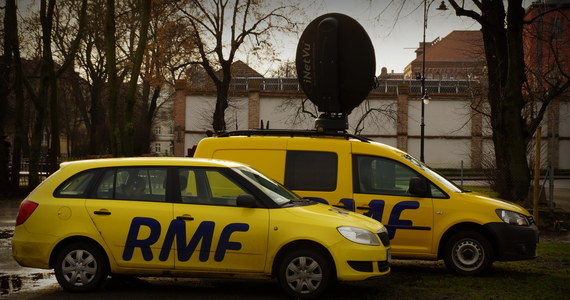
[{"x": 170, "y": 237}]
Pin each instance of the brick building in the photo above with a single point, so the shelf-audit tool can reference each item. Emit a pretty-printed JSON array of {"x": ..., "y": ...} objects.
[{"x": 459, "y": 55}]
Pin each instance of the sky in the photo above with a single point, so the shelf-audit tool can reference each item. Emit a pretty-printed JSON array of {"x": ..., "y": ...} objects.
[{"x": 395, "y": 37}]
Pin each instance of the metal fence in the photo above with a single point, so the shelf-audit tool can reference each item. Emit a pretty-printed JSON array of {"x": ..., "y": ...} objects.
[{"x": 384, "y": 85}]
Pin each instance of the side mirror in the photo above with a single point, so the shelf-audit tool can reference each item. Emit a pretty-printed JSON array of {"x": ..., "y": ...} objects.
[
  {"x": 246, "y": 200},
  {"x": 419, "y": 187}
]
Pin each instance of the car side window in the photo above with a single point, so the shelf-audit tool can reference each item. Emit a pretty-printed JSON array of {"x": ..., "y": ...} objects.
[
  {"x": 76, "y": 186},
  {"x": 133, "y": 183},
  {"x": 378, "y": 175},
  {"x": 311, "y": 170},
  {"x": 211, "y": 187}
]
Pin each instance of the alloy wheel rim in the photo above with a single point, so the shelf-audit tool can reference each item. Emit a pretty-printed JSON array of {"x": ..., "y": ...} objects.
[
  {"x": 304, "y": 275},
  {"x": 79, "y": 267}
]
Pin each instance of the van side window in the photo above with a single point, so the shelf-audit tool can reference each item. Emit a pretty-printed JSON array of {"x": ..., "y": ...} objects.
[
  {"x": 377, "y": 175},
  {"x": 134, "y": 183},
  {"x": 311, "y": 170}
]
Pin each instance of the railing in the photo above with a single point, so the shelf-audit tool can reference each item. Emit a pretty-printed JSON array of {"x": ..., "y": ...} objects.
[{"x": 384, "y": 85}]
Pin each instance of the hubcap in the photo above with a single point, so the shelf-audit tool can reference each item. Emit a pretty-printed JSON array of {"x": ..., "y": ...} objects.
[
  {"x": 304, "y": 275},
  {"x": 468, "y": 255},
  {"x": 79, "y": 267}
]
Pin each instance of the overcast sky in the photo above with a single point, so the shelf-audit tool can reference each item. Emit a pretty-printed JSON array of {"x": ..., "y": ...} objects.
[{"x": 395, "y": 37}]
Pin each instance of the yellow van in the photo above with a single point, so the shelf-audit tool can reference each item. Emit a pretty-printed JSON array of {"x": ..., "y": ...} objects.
[{"x": 427, "y": 216}]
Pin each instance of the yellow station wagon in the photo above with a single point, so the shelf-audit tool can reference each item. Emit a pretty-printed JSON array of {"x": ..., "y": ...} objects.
[{"x": 190, "y": 217}]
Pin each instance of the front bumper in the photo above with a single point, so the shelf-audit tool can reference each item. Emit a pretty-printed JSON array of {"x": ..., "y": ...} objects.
[
  {"x": 514, "y": 242},
  {"x": 360, "y": 262}
]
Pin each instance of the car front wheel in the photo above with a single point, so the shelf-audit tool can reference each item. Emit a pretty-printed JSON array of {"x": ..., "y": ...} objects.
[
  {"x": 468, "y": 253},
  {"x": 80, "y": 267},
  {"x": 305, "y": 273}
]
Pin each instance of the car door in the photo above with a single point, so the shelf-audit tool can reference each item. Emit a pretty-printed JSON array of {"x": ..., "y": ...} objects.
[
  {"x": 211, "y": 232},
  {"x": 130, "y": 210},
  {"x": 381, "y": 192}
]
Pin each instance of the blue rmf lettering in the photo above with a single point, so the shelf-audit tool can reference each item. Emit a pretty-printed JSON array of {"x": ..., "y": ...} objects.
[
  {"x": 377, "y": 210},
  {"x": 225, "y": 244},
  {"x": 177, "y": 230},
  {"x": 144, "y": 244},
  {"x": 394, "y": 222}
]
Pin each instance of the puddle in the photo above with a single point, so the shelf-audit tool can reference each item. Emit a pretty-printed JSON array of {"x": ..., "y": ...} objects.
[{"x": 11, "y": 283}]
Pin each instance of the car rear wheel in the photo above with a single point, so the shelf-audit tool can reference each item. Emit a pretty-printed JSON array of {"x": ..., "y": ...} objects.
[
  {"x": 305, "y": 273},
  {"x": 80, "y": 267},
  {"x": 468, "y": 253}
]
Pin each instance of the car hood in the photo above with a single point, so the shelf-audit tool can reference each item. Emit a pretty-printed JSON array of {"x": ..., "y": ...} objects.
[
  {"x": 498, "y": 203},
  {"x": 322, "y": 213}
]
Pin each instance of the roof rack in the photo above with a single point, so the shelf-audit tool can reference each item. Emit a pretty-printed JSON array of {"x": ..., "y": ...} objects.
[{"x": 293, "y": 133}]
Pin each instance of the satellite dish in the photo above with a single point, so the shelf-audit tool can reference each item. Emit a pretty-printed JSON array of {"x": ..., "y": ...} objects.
[{"x": 335, "y": 64}]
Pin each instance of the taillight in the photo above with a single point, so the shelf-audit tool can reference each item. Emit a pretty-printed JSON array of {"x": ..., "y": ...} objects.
[{"x": 25, "y": 211}]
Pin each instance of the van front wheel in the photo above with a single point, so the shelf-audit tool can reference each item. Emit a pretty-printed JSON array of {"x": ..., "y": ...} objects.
[{"x": 468, "y": 253}]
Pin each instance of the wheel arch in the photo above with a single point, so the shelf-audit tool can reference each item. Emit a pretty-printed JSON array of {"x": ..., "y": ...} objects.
[
  {"x": 466, "y": 226},
  {"x": 302, "y": 244},
  {"x": 77, "y": 239}
]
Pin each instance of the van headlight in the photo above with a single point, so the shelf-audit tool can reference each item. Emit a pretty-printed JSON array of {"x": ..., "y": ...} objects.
[
  {"x": 359, "y": 235},
  {"x": 511, "y": 217}
]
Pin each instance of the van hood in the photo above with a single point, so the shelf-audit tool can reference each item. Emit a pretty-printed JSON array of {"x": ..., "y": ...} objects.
[
  {"x": 322, "y": 213},
  {"x": 498, "y": 203}
]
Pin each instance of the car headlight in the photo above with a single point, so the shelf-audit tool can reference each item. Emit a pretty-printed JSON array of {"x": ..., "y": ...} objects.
[
  {"x": 359, "y": 235},
  {"x": 511, "y": 217}
]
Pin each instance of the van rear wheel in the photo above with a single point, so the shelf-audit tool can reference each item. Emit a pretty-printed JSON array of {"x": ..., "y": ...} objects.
[
  {"x": 305, "y": 273},
  {"x": 468, "y": 253}
]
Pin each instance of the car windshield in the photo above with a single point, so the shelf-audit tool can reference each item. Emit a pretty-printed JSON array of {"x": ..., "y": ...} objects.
[
  {"x": 274, "y": 190},
  {"x": 435, "y": 175}
]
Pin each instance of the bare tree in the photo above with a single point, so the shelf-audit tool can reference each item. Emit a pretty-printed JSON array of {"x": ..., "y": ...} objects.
[
  {"x": 220, "y": 28},
  {"x": 512, "y": 128},
  {"x": 123, "y": 132}
]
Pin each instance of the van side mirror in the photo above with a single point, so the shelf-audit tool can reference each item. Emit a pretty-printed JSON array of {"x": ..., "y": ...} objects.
[
  {"x": 419, "y": 187},
  {"x": 246, "y": 200}
]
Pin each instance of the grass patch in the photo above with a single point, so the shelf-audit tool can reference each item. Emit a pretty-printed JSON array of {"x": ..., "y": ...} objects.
[{"x": 545, "y": 277}]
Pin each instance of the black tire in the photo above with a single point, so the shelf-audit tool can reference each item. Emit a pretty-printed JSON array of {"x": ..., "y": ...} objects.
[
  {"x": 305, "y": 273},
  {"x": 468, "y": 253},
  {"x": 80, "y": 267}
]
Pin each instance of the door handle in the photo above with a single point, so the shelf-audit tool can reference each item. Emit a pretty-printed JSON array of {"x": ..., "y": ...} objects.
[
  {"x": 185, "y": 218},
  {"x": 102, "y": 212}
]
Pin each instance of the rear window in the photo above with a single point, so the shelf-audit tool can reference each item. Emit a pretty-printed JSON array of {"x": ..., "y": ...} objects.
[
  {"x": 76, "y": 185},
  {"x": 311, "y": 170}
]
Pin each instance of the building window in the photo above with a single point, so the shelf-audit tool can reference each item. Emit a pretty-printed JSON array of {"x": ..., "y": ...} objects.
[
  {"x": 170, "y": 130},
  {"x": 157, "y": 130},
  {"x": 444, "y": 76},
  {"x": 157, "y": 148},
  {"x": 429, "y": 75}
]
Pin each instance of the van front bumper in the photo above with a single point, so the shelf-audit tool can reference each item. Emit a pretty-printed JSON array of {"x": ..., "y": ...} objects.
[{"x": 514, "y": 242}]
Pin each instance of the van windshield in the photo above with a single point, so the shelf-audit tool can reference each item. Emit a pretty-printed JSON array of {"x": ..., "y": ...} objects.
[
  {"x": 274, "y": 190},
  {"x": 435, "y": 175}
]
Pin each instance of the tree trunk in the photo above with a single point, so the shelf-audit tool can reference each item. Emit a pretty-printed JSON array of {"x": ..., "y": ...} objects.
[
  {"x": 219, "y": 122},
  {"x": 116, "y": 145},
  {"x": 133, "y": 84},
  {"x": 20, "y": 128}
]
